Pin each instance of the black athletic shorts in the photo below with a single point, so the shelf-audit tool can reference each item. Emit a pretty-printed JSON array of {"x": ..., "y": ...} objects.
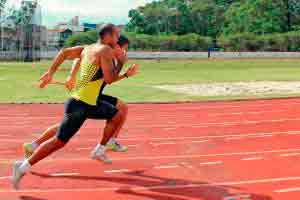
[
  {"x": 76, "y": 112},
  {"x": 110, "y": 99}
]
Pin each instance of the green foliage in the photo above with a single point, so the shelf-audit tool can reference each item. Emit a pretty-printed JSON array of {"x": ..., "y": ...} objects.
[
  {"x": 193, "y": 25},
  {"x": 270, "y": 42},
  {"x": 86, "y": 38},
  {"x": 215, "y": 17},
  {"x": 189, "y": 42},
  {"x": 255, "y": 16}
]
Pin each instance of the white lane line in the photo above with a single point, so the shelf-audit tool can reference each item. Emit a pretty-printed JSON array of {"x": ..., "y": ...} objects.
[
  {"x": 206, "y": 155},
  {"x": 253, "y": 158},
  {"x": 239, "y": 196},
  {"x": 3, "y": 135},
  {"x": 166, "y": 167},
  {"x": 296, "y": 189},
  {"x": 181, "y": 138},
  {"x": 170, "y": 129},
  {"x": 294, "y": 133},
  {"x": 132, "y": 145},
  {"x": 234, "y": 138},
  {"x": 176, "y": 143},
  {"x": 165, "y": 143},
  {"x": 7, "y": 151},
  {"x": 100, "y": 189},
  {"x": 170, "y": 157},
  {"x": 64, "y": 174},
  {"x": 212, "y": 136},
  {"x": 5, "y": 177},
  {"x": 86, "y": 148},
  {"x": 262, "y": 136},
  {"x": 116, "y": 171},
  {"x": 246, "y": 113},
  {"x": 208, "y": 124},
  {"x": 225, "y": 114},
  {"x": 211, "y": 163},
  {"x": 201, "y": 141},
  {"x": 289, "y": 154}
]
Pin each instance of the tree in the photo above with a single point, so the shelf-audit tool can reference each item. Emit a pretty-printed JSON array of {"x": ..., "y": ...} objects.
[{"x": 255, "y": 16}]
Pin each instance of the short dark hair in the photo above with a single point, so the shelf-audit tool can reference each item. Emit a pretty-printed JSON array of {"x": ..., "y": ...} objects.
[
  {"x": 123, "y": 40},
  {"x": 106, "y": 29}
]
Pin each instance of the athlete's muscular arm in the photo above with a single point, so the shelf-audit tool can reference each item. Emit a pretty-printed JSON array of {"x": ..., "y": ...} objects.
[
  {"x": 71, "y": 80},
  {"x": 110, "y": 76},
  {"x": 68, "y": 53},
  {"x": 107, "y": 66}
]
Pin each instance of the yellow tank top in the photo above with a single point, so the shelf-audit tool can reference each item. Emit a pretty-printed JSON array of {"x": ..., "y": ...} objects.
[{"x": 86, "y": 89}]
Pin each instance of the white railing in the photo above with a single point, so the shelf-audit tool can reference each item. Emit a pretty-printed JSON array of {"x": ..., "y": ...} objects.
[
  {"x": 196, "y": 55},
  {"x": 9, "y": 55}
]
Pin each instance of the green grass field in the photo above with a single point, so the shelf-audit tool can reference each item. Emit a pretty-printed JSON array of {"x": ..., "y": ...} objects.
[{"x": 18, "y": 80}]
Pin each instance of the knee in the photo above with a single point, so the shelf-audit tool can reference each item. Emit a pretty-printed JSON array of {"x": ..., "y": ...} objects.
[
  {"x": 59, "y": 143},
  {"x": 125, "y": 109},
  {"x": 122, "y": 107},
  {"x": 118, "y": 117}
]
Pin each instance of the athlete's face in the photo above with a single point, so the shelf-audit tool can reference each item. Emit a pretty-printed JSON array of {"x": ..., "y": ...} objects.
[
  {"x": 115, "y": 37},
  {"x": 125, "y": 47}
]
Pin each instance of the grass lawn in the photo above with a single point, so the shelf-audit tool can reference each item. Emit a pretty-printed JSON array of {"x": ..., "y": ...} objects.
[{"x": 18, "y": 80}]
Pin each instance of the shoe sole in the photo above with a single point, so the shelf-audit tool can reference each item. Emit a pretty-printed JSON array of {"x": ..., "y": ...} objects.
[
  {"x": 16, "y": 165},
  {"x": 116, "y": 150},
  {"x": 94, "y": 157}
]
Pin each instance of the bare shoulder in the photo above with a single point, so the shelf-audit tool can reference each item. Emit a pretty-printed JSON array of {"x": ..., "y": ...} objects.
[{"x": 104, "y": 51}]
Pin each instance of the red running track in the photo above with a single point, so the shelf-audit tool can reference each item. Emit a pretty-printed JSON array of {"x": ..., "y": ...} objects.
[{"x": 206, "y": 151}]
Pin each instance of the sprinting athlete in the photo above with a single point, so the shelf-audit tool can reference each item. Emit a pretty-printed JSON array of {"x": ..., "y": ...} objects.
[
  {"x": 95, "y": 59},
  {"x": 113, "y": 145}
]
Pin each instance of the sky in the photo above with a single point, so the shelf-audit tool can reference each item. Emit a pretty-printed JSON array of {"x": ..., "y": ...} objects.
[{"x": 94, "y": 11}]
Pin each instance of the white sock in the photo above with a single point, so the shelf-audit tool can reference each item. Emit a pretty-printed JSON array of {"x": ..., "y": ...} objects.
[
  {"x": 34, "y": 145},
  {"x": 100, "y": 148},
  {"x": 25, "y": 166},
  {"x": 112, "y": 140}
]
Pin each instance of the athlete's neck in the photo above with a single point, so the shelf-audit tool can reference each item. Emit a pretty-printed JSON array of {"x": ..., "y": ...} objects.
[{"x": 104, "y": 42}]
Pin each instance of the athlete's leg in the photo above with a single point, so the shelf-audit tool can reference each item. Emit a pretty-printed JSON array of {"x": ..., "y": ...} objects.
[
  {"x": 75, "y": 115},
  {"x": 123, "y": 108},
  {"x": 29, "y": 148}
]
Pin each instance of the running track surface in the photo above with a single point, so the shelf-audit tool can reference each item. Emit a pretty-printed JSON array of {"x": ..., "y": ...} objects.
[{"x": 246, "y": 150}]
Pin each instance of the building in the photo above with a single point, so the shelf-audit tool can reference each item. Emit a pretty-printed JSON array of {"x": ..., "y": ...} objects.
[
  {"x": 57, "y": 37},
  {"x": 21, "y": 31},
  {"x": 72, "y": 25},
  {"x": 89, "y": 26},
  {"x": 44, "y": 40}
]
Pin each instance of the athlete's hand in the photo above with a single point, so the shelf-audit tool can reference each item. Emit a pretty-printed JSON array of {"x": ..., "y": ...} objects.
[
  {"x": 133, "y": 70},
  {"x": 45, "y": 79},
  {"x": 120, "y": 54},
  {"x": 70, "y": 83}
]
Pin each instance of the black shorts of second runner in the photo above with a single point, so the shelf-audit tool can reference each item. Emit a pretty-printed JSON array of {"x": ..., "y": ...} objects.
[
  {"x": 110, "y": 99},
  {"x": 76, "y": 112}
]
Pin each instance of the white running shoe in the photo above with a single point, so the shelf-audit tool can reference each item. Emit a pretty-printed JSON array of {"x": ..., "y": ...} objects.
[
  {"x": 17, "y": 174},
  {"x": 101, "y": 156},
  {"x": 116, "y": 147}
]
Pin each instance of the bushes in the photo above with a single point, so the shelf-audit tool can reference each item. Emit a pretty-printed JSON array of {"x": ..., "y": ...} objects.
[
  {"x": 193, "y": 42},
  {"x": 189, "y": 42},
  {"x": 270, "y": 42},
  {"x": 85, "y": 38},
  {"x": 142, "y": 42}
]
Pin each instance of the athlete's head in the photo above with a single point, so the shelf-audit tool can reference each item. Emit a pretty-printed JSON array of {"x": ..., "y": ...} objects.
[
  {"x": 109, "y": 34},
  {"x": 123, "y": 42}
]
